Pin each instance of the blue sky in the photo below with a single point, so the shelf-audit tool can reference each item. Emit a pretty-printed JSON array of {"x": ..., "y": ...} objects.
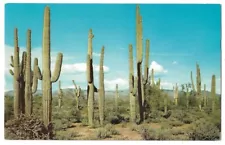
[{"x": 180, "y": 36}]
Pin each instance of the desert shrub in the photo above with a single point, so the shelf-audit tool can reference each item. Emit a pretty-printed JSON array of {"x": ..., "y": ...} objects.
[
  {"x": 27, "y": 128},
  {"x": 204, "y": 130},
  {"x": 8, "y": 114},
  {"x": 106, "y": 132},
  {"x": 215, "y": 118},
  {"x": 155, "y": 134},
  {"x": 66, "y": 135}
]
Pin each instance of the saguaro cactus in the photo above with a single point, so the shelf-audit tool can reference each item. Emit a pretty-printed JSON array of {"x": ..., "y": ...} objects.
[
  {"x": 31, "y": 77},
  {"x": 139, "y": 60},
  {"x": 187, "y": 95},
  {"x": 205, "y": 96},
  {"x": 158, "y": 83},
  {"x": 16, "y": 76},
  {"x": 116, "y": 97},
  {"x": 47, "y": 78},
  {"x": 213, "y": 92},
  {"x": 90, "y": 80},
  {"x": 175, "y": 92},
  {"x": 132, "y": 86},
  {"x": 146, "y": 73},
  {"x": 101, "y": 99},
  {"x": 77, "y": 92},
  {"x": 198, "y": 86},
  {"x": 60, "y": 95}
]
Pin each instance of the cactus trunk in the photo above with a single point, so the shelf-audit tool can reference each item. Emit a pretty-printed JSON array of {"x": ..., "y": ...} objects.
[
  {"x": 101, "y": 98},
  {"x": 116, "y": 98},
  {"x": 205, "y": 99},
  {"x": 213, "y": 92},
  {"x": 132, "y": 88},
  {"x": 90, "y": 80}
]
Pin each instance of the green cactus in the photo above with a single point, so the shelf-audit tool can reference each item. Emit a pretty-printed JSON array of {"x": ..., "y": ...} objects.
[
  {"x": 47, "y": 77},
  {"x": 197, "y": 90},
  {"x": 90, "y": 80},
  {"x": 132, "y": 86},
  {"x": 31, "y": 77},
  {"x": 187, "y": 96},
  {"x": 77, "y": 92},
  {"x": 18, "y": 77},
  {"x": 213, "y": 92},
  {"x": 60, "y": 95},
  {"x": 101, "y": 99},
  {"x": 205, "y": 96},
  {"x": 158, "y": 83},
  {"x": 175, "y": 92},
  {"x": 139, "y": 61}
]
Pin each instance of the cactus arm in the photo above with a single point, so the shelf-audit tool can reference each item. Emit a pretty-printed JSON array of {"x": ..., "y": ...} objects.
[
  {"x": 74, "y": 84},
  {"x": 12, "y": 61},
  {"x": 135, "y": 86},
  {"x": 11, "y": 72},
  {"x": 57, "y": 69}
]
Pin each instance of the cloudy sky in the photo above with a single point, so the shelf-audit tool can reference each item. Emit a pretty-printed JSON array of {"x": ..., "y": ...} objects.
[{"x": 180, "y": 36}]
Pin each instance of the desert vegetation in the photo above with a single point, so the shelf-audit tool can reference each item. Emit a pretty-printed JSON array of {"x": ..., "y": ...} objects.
[{"x": 145, "y": 112}]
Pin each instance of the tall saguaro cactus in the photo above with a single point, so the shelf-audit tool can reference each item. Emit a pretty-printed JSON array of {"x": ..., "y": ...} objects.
[
  {"x": 152, "y": 77},
  {"x": 165, "y": 102},
  {"x": 213, "y": 92},
  {"x": 132, "y": 86},
  {"x": 205, "y": 96},
  {"x": 146, "y": 71},
  {"x": 90, "y": 80},
  {"x": 175, "y": 91},
  {"x": 47, "y": 78},
  {"x": 139, "y": 61},
  {"x": 187, "y": 95},
  {"x": 101, "y": 99},
  {"x": 60, "y": 95},
  {"x": 198, "y": 86}
]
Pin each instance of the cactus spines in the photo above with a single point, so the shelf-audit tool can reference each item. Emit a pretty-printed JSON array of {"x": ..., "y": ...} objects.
[
  {"x": 60, "y": 95},
  {"x": 132, "y": 86},
  {"x": 139, "y": 61},
  {"x": 47, "y": 80},
  {"x": 175, "y": 91},
  {"x": 213, "y": 92},
  {"x": 101, "y": 99},
  {"x": 116, "y": 98},
  {"x": 90, "y": 80}
]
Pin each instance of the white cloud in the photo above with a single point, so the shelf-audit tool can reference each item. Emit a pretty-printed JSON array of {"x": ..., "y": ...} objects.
[
  {"x": 80, "y": 67},
  {"x": 166, "y": 85},
  {"x": 174, "y": 62},
  {"x": 111, "y": 84},
  {"x": 157, "y": 67},
  {"x": 96, "y": 54}
]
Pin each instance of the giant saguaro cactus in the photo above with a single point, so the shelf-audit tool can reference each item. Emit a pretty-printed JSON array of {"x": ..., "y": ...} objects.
[
  {"x": 101, "y": 99},
  {"x": 175, "y": 93},
  {"x": 47, "y": 77},
  {"x": 132, "y": 86},
  {"x": 60, "y": 95},
  {"x": 31, "y": 77},
  {"x": 197, "y": 90},
  {"x": 152, "y": 77},
  {"x": 77, "y": 92},
  {"x": 213, "y": 92},
  {"x": 165, "y": 102},
  {"x": 139, "y": 60},
  {"x": 18, "y": 77},
  {"x": 90, "y": 80},
  {"x": 187, "y": 95}
]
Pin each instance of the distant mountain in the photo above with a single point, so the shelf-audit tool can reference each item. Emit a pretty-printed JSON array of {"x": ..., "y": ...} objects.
[{"x": 70, "y": 93}]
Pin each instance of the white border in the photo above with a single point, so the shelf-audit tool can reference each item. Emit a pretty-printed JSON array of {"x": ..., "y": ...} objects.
[{"x": 2, "y": 42}]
